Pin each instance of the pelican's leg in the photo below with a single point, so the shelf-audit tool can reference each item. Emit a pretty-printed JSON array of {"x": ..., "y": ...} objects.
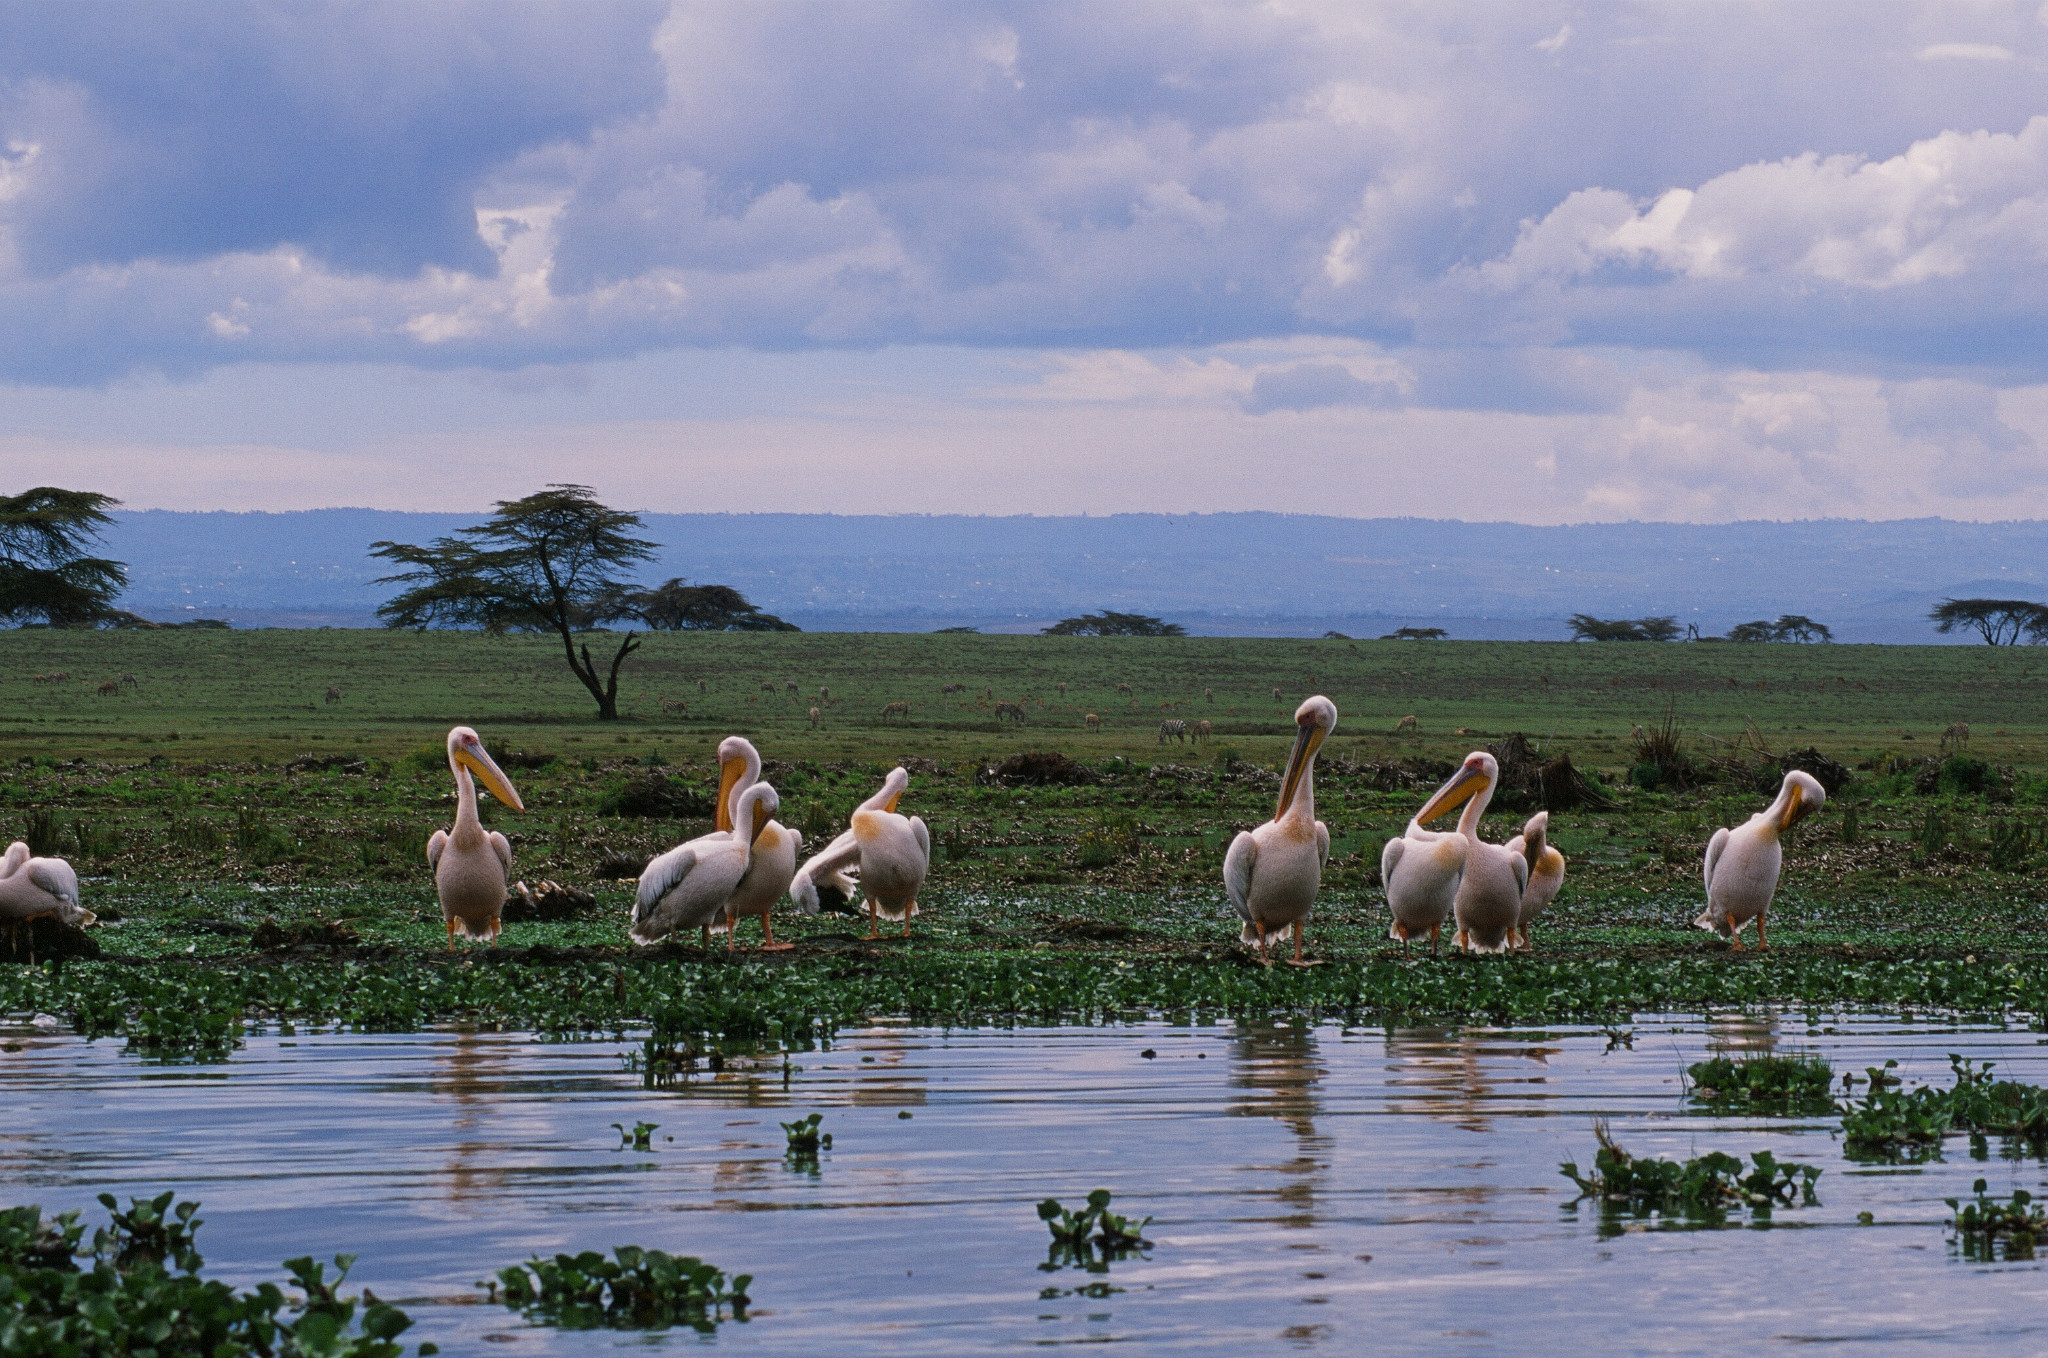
[
  {"x": 908, "y": 906},
  {"x": 704, "y": 939},
  {"x": 1735, "y": 938},
  {"x": 732, "y": 928},
  {"x": 1264, "y": 956},
  {"x": 768, "y": 935},
  {"x": 1435, "y": 934},
  {"x": 451, "y": 933},
  {"x": 1760, "y": 945},
  {"x": 874, "y": 920},
  {"x": 1296, "y": 961}
]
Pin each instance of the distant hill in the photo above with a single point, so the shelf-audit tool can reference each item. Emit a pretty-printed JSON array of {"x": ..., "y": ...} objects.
[{"x": 1218, "y": 573}]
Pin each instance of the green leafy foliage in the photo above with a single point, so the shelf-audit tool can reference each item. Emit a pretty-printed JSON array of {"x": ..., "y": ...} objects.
[
  {"x": 45, "y": 574},
  {"x": 1983, "y": 1229},
  {"x": 1894, "y": 1124},
  {"x": 640, "y": 1138},
  {"x": 804, "y": 1136},
  {"x": 1112, "y": 624},
  {"x": 637, "y": 1289},
  {"x": 1701, "y": 1190},
  {"x": 130, "y": 1303},
  {"x": 1776, "y": 1084},
  {"x": 1091, "y": 1238}
]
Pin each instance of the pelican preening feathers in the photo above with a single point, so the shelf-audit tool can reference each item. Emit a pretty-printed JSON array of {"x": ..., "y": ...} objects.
[
  {"x": 31, "y": 888},
  {"x": 690, "y": 886},
  {"x": 1546, "y": 874},
  {"x": 890, "y": 852},
  {"x": 1272, "y": 873},
  {"x": 1492, "y": 890},
  {"x": 472, "y": 865},
  {"x": 1742, "y": 863},
  {"x": 771, "y": 856}
]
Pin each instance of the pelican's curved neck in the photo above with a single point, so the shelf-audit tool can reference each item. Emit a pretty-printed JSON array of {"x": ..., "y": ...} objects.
[
  {"x": 1468, "y": 823},
  {"x": 1773, "y": 816},
  {"x": 744, "y": 813},
  {"x": 880, "y": 801},
  {"x": 750, "y": 774},
  {"x": 465, "y": 798},
  {"x": 1304, "y": 803}
]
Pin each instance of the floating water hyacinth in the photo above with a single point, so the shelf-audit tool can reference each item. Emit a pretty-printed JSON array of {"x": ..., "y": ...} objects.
[{"x": 637, "y": 1289}]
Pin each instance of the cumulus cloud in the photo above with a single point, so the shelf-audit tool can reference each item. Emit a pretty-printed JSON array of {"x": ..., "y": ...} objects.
[
  {"x": 1308, "y": 386},
  {"x": 1981, "y": 453}
]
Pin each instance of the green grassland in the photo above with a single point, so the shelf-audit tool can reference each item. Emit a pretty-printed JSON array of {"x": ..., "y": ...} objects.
[{"x": 221, "y": 789}]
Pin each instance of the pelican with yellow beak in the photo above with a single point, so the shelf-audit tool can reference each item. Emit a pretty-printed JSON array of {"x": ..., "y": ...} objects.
[
  {"x": 471, "y": 864},
  {"x": 771, "y": 860},
  {"x": 688, "y": 887},
  {"x": 1742, "y": 863},
  {"x": 1546, "y": 874},
  {"x": 1489, "y": 898},
  {"x": 1421, "y": 870},
  {"x": 890, "y": 852},
  {"x": 1272, "y": 873}
]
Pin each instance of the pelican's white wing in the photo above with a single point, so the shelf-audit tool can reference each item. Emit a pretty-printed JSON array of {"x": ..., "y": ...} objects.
[
  {"x": 17, "y": 854},
  {"x": 436, "y": 844},
  {"x": 1714, "y": 848},
  {"x": 1238, "y": 865},
  {"x": 1322, "y": 845},
  {"x": 830, "y": 864},
  {"x": 55, "y": 876},
  {"x": 1390, "y": 858},
  {"x": 662, "y": 876},
  {"x": 502, "y": 847},
  {"x": 923, "y": 838}
]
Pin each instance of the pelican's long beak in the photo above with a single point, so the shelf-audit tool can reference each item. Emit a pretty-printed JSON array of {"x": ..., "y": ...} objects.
[
  {"x": 729, "y": 775},
  {"x": 491, "y": 776},
  {"x": 1462, "y": 788},
  {"x": 1307, "y": 740},
  {"x": 890, "y": 805},
  {"x": 1797, "y": 809}
]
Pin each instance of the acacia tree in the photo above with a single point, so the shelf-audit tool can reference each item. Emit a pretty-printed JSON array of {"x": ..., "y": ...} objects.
[
  {"x": 2001, "y": 622},
  {"x": 1586, "y": 627},
  {"x": 1110, "y": 624},
  {"x": 45, "y": 574},
  {"x": 1788, "y": 627},
  {"x": 547, "y": 563},
  {"x": 680, "y": 607}
]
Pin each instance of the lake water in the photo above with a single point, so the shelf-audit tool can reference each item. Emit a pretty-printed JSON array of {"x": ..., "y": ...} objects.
[{"x": 1315, "y": 1188}]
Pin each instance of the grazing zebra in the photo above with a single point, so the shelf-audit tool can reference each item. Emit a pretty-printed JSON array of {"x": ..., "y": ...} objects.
[
  {"x": 896, "y": 710},
  {"x": 129, "y": 681},
  {"x": 1200, "y": 731},
  {"x": 792, "y": 686},
  {"x": 1092, "y": 722},
  {"x": 1175, "y": 730},
  {"x": 333, "y": 693},
  {"x": 1958, "y": 735},
  {"x": 672, "y": 706},
  {"x": 1010, "y": 710}
]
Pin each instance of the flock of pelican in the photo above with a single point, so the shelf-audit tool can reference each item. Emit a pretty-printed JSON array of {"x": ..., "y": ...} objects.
[{"x": 1490, "y": 893}]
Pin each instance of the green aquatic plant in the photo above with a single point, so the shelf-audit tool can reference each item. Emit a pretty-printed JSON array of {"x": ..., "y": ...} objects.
[
  {"x": 1091, "y": 1238},
  {"x": 637, "y": 1289},
  {"x": 129, "y": 1303},
  {"x": 1786, "y": 1084},
  {"x": 1983, "y": 1229},
  {"x": 2006, "y": 1108},
  {"x": 1702, "y": 1190},
  {"x": 804, "y": 1136},
  {"x": 1891, "y": 1124},
  {"x": 641, "y": 1138}
]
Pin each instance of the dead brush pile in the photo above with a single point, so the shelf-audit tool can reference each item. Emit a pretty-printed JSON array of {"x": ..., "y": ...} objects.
[{"x": 1530, "y": 782}]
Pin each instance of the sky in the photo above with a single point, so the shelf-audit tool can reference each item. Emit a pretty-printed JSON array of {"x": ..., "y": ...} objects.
[{"x": 1549, "y": 263}]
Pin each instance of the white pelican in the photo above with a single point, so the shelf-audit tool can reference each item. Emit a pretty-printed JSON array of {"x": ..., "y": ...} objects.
[
  {"x": 688, "y": 887},
  {"x": 1546, "y": 874},
  {"x": 1421, "y": 870},
  {"x": 33, "y": 887},
  {"x": 1742, "y": 863},
  {"x": 771, "y": 862},
  {"x": 1489, "y": 896},
  {"x": 891, "y": 853},
  {"x": 471, "y": 865},
  {"x": 1272, "y": 873}
]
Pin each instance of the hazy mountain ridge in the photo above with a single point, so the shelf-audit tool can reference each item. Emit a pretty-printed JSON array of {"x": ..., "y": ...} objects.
[{"x": 1253, "y": 571}]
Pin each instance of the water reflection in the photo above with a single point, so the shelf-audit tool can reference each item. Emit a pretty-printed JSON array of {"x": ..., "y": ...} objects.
[
  {"x": 470, "y": 1073},
  {"x": 1275, "y": 1072},
  {"x": 1464, "y": 1078},
  {"x": 1741, "y": 1035}
]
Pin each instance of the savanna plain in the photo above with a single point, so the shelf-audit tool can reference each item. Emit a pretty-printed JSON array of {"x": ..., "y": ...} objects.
[{"x": 248, "y": 813}]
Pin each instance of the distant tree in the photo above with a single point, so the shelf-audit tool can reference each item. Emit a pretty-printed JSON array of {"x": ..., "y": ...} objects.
[
  {"x": 1108, "y": 624},
  {"x": 679, "y": 607},
  {"x": 546, "y": 563},
  {"x": 957, "y": 632},
  {"x": 45, "y": 575},
  {"x": 1416, "y": 634},
  {"x": 1753, "y": 632},
  {"x": 1658, "y": 629},
  {"x": 1799, "y": 627},
  {"x": 1336, "y": 636},
  {"x": 2001, "y": 622}
]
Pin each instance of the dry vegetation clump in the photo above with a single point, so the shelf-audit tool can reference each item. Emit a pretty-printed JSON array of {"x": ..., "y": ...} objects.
[{"x": 1037, "y": 768}]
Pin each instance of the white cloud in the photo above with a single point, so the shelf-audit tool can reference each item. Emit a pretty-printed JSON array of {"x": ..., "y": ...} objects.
[
  {"x": 1964, "y": 51},
  {"x": 1555, "y": 42}
]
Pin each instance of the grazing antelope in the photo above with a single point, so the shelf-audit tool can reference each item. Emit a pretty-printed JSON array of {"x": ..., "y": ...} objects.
[
  {"x": 767, "y": 687},
  {"x": 954, "y": 688},
  {"x": 1092, "y": 722},
  {"x": 1177, "y": 731},
  {"x": 1200, "y": 731},
  {"x": 1276, "y": 693},
  {"x": 1958, "y": 735},
  {"x": 814, "y": 719},
  {"x": 896, "y": 710},
  {"x": 824, "y": 695},
  {"x": 702, "y": 687},
  {"x": 1015, "y": 710},
  {"x": 1407, "y": 724},
  {"x": 1208, "y": 695},
  {"x": 1123, "y": 690},
  {"x": 333, "y": 694},
  {"x": 109, "y": 689},
  {"x": 1063, "y": 690},
  {"x": 674, "y": 706},
  {"x": 792, "y": 686}
]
